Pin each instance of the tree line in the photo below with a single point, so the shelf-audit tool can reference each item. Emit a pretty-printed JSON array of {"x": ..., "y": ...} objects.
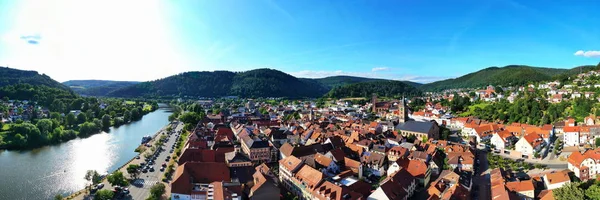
[{"x": 92, "y": 116}]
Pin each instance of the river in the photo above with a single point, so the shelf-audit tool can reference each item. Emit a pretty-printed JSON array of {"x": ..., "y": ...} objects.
[{"x": 59, "y": 169}]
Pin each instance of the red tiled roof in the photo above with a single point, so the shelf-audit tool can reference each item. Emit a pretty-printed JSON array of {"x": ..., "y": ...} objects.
[
  {"x": 189, "y": 173},
  {"x": 576, "y": 158},
  {"x": 520, "y": 186},
  {"x": 571, "y": 129},
  {"x": 558, "y": 177}
]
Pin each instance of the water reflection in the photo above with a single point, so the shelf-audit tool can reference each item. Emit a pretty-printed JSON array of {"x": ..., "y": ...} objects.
[{"x": 44, "y": 172}]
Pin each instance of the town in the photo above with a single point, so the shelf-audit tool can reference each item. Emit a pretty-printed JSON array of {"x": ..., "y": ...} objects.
[{"x": 302, "y": 151}]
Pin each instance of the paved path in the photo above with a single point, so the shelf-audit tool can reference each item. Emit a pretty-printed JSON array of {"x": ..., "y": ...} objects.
[{"x": 140, "y": 188}]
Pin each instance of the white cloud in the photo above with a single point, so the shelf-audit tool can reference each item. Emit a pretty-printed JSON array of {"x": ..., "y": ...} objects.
[
  {"x": 376, "y": 69},
  {"x": 587, "y": 53}
]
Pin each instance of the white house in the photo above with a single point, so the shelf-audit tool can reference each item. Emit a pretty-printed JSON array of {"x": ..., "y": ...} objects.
[
  {"x": 556, "y": 179},
  {"x": 571, "y": 135}
]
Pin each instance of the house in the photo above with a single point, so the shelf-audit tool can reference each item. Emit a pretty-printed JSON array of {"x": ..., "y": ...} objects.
[
  {"x": 287, "y": 167},
  {"x": 585, "y": 166},
  {"x": 571, "y": 135},
  {"x": 327, "y": 164},
  {"x": 237, "y": 159},
  {"x": 448, "y": 186},
  {"x": 257, "y": 150},
  {"x": 417, "y": 169},
  {"x": 529, "y": 144},
  {"x": 355, "y": 166},
  {"x": 374, "y": 163},
  {"x": 306, "y": 180},
  {"x": 461, "y": 160},
  {"x": 332, "y": 191},
  {"x": 484, "y": 132},
  {"x": 503, "y": 139},
  {"x": 399, "y": 186},
  {"x": 524, "y": 189},
  {"x": 264, "y": 186},
  {"x": 190, "y": 178},
  {"x": 556, "y": 179}
]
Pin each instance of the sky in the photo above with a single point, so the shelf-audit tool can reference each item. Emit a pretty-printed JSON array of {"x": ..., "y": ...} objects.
[{"x": 421, "y": 41}]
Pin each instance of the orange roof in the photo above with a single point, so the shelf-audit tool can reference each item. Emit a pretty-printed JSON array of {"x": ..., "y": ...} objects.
[
  {"x": 571, "y": 129},
  {"x": 309, "y": 176},
  {"x": 558, "y": 177},
  {"x": 594, "y": 154},
  {"x": 416, "y": 168},
  {"x": 533, "y": 139},
  {"x": 322, "y": 159},
  {"x": 290, "y": 163},
  {"x": 576, "y": 158},
  {"x": 520, "y": 186},
  {"x": 546, "y": 195}
]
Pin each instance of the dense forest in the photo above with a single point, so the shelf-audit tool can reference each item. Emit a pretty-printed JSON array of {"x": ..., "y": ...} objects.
[
  {"x": 381, "y": 88},
  {"x": 10, "y": 76},
  {"x": 253, "y": 83},
  {"x": 505, "y": 76},
  {"x": 96, "y": 87}
]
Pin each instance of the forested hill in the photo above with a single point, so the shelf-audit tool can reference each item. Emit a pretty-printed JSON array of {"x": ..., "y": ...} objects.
[
  {"x": 97, "y": 87},
  {"x": 508, "y": 75},
  {"x": 381, "y": 88},
  {"x": 30, "y": 85},
  {"x": 10, "y": 76},
  {"x": 253, "y": 83}
]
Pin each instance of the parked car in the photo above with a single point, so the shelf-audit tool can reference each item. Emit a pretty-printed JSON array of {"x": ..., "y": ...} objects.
[{"x": 100, "y": 186}]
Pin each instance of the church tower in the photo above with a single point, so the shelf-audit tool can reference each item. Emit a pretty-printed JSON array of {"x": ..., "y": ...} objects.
[
  {"x": 374, "y": 102},
  {"x": 403, "y": 111}
]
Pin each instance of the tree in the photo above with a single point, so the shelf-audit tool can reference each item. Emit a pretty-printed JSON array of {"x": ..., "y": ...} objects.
[
  {"x": 81, "y": 118},
  {"x": 132, "y": 170},
  {"x": 126, "y": 116},
  {"x": 92, "y": 176},
  {"x": 597, "y": 142},
  {"x": 117, "y": 178},
  {"x": 157, "y": 190},
  {"x": 106, "y": 121},
  {"x": 593, "y": 192},
  {"x": 568, "y": 191},
  {"x": 58, "y": 197},
  {"x": 71, "y": 119},
  {"x": 104, "y": 195}
]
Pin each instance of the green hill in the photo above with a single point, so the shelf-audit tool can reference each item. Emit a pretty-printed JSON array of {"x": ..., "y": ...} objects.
[
  {"x": 253, "y": 83},
  {"x": 508, "y": 75},
  {"x": 97, "y": 87},
  {"x": 384, "y": 88},
  {"x": 30, "y": 85}
]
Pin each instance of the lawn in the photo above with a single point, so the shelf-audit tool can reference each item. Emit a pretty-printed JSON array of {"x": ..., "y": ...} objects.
[
  {"x": 147, "y": 107},
  {"x": 129, "y": 102},
  {"x": 472, "y": 109}
]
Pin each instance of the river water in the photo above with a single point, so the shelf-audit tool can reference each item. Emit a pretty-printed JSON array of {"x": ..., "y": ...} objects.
[{"x": 59, "y": 169}]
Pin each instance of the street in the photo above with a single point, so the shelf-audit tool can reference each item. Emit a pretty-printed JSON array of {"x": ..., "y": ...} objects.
[
  {"x": 481, "y": 178},
  {"x": 140, "y": 188}
]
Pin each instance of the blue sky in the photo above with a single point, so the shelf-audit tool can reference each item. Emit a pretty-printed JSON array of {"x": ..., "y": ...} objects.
[{"x": 421, "y": 41}]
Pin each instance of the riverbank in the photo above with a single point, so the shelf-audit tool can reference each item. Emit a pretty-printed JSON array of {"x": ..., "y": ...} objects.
[
  {"x": 45, "y": 172},
  {"x": 83, "y": 193},
  {"x": 57, "y": 136}
]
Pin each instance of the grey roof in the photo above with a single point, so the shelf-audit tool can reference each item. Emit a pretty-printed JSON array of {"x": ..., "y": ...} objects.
[
  {"x": 255, "y": 143},
  {"x": 234, "y": 157},
  {"x": 415, "y": 126}
]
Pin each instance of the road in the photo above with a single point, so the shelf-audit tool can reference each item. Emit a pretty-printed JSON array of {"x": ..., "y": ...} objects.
[
  {"x": 481, "y": 178},
  {"x": 140, "y": 188}
]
